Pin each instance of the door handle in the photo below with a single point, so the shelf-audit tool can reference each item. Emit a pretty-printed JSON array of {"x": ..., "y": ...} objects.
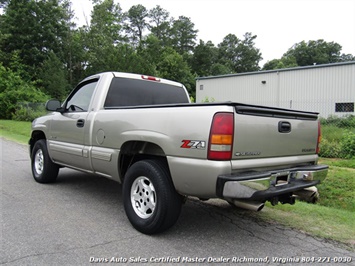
[{"x": 80, "y": 123}]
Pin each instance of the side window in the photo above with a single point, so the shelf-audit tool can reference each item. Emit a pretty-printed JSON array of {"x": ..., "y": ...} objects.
[{"x": 79, "y": 101}]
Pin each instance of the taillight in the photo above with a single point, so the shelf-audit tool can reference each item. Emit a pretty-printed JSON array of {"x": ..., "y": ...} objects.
[
  {"x": 220, "y": 145},
  {"x": 319, "y": 138}
]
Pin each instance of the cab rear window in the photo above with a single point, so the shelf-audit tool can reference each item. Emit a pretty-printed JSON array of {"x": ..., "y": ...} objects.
[{"x": 135, "y": 92}]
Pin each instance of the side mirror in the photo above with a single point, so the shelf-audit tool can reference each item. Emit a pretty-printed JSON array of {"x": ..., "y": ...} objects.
[{"x": 52, "y": 105}]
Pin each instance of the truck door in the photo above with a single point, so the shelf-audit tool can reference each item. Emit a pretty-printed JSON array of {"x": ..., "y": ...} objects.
[{"x": 68, "y": 128}]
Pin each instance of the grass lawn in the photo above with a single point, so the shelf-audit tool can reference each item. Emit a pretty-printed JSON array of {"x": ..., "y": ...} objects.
[
  {"x": 333, "y": 217},
  {"x": 15, "y": 130},
  {"x": 320, "y": 221}
]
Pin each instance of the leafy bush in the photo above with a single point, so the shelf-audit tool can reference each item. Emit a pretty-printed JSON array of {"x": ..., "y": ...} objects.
[
  {"x": 208, "y": 100},
  {"x": 28, "y": 113},
  {"x": 348, "y": 145},
  {"x": 329, "y": 149},
  {"x": 342, "y": 122},
  {"x": 342, "y": 148},
  {"x": 332, "y": 133},
  {"x": 11, "y": 97},
  {"x": 338, "y": 137},
  {"x": 13, "y": 89}
]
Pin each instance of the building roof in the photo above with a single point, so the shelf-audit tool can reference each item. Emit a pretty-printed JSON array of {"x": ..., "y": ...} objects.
[{"x": 278, "y": 70}]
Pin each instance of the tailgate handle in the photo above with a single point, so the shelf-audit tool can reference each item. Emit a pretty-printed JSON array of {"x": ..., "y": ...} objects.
[{"x": 284, "y": 127}]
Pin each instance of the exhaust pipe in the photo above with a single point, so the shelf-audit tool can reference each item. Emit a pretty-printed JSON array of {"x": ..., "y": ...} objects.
[
  {"x": 249, "y": 205},
  {"x": 309, "y": 194}
]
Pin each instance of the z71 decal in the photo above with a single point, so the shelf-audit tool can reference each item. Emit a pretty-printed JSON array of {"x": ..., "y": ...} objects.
[{"x": 193, "y": 144}]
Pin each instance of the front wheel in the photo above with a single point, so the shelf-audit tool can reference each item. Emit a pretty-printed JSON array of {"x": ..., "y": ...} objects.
[
  {"x": 43, "y": 169},
  {"x": 150, "y": 200}
]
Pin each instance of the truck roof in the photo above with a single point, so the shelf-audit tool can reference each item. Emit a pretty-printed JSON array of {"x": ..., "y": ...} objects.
[{"x": 136, "y": 76}]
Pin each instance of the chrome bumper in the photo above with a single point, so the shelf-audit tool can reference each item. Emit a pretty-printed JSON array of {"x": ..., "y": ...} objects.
[{"x": 261, "y": 186}]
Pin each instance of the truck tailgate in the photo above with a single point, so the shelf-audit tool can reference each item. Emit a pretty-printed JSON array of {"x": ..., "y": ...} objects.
[{"x": 263, "y": 132}]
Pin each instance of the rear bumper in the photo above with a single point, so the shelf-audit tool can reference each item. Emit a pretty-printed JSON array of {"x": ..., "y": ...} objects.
[{"x": 261, "y": 186}]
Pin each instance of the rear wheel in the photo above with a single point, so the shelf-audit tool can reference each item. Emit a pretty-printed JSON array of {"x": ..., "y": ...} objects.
[
  {"x": 150, "y": 200},
  {"x": 43, "y": 169}
]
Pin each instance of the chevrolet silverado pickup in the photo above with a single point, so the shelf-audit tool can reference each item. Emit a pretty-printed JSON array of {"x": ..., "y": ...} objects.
[{"x": 143, "y": 132}]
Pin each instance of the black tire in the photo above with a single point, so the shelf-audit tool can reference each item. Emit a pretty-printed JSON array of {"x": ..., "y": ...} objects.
[
  {"x": 151, "y": 202},
  {"x": 43, "y": 168}
]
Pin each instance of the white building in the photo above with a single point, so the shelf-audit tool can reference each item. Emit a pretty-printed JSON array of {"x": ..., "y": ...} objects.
[{"x": 328, "y": 89}]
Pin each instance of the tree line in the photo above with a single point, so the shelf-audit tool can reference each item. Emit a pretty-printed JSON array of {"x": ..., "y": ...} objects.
[{"x": 45, "y": 54}]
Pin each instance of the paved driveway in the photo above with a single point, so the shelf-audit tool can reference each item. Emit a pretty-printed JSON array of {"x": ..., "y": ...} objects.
[{"x": 80, "y": 220}]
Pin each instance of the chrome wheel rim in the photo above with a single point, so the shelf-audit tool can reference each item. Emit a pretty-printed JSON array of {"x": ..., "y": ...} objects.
[
  {"x": 143, "y": 197},
  {"x": 39, "y": 161}
]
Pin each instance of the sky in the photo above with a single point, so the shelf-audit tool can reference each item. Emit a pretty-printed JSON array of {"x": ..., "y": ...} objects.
[{"x": 278, "y": 24}]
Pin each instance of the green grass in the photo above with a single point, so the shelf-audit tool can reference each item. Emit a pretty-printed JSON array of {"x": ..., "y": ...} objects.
[
  {"x": 338, "y": 190},
  {"x": 15, "y": 130},
  {"x": 326, "y": 222},
  {"x": 338, "y": 162},
  {"x": 333, "y": 217}
]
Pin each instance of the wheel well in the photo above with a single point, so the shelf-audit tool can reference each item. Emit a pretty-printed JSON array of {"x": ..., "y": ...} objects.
[
  {"x": 134, "y": 151},
  {"x": 36, "y": 135}
]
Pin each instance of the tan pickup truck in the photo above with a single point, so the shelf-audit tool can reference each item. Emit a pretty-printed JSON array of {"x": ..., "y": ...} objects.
[{"x": 143, "y": 132}]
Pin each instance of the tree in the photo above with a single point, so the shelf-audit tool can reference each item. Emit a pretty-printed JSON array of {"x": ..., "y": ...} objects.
[
  {"x": 106, "y": 22},
  {"x": 314, "y": 52},
  {"x": 4, "y": 3},
  {"x": 239, "y": 55},
  {"x": 158, "y": 16},
  {"x": 172, "y": 66},
  {"x": 76, "y": 55},
  {"x": 73, "y": 52},
  {"x": 150, "y": 51},
  {"x": 204, "y": 61},
  {"x": 54, "y": 78},
  {"x": 137, "y": 23},
  {"x": 15, "y": 90},
  {"x": 34, "y": 29},
  {"x": 347, "y": 57},
  {"x": 310, "y": 53},
  {"x": 103, "y": 37},
  {"x": 160, "y": 25},
  {"x": 285, "y": 62},
  {"x": 183, "y": 35},
  {"x": 134, "y": 61}
]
